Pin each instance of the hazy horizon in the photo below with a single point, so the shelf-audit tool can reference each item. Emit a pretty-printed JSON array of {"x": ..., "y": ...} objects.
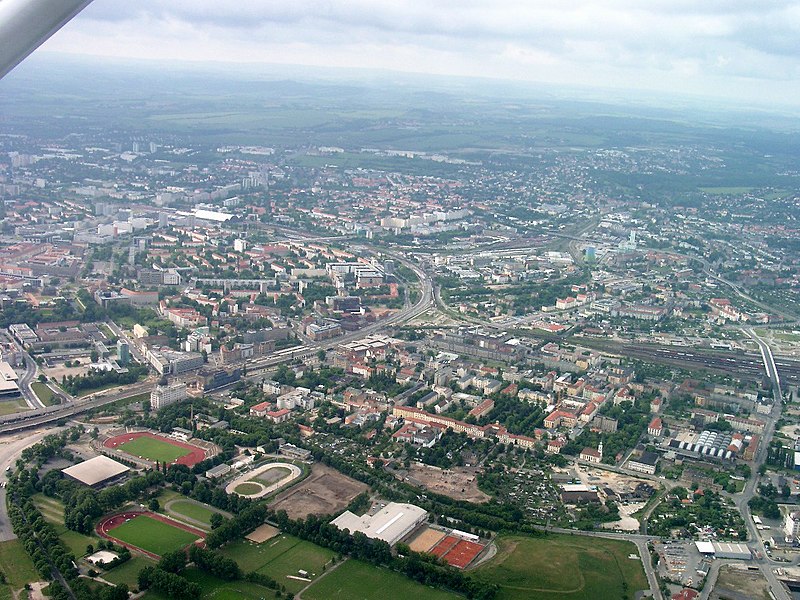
[{"x": 721, "y": 50}]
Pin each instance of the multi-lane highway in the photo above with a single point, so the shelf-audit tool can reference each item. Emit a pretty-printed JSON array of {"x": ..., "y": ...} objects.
[
  {"x": 10, "y": 448},
  {"x": 42, "y": 416}
]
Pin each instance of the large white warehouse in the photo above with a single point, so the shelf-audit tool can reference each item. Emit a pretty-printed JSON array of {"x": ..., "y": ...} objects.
[{"x": 391, "y": 524}]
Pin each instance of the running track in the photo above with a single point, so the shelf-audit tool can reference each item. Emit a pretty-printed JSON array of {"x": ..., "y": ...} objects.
[
  {"x": 105, "y": 527},
  {"x": 194, "y": 454}
]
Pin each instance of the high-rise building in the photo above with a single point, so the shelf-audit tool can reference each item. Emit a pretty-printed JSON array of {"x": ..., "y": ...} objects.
[
  {"x": 123, "y": 352},
  {"x": 165, "y": 394}
]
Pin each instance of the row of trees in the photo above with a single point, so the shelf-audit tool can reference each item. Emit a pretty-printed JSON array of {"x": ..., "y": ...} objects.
[
  {"x": 97, "y": 378},
  {"x": 169, "y": 584},
  {"x": 40, "y": 539},
  {"x": 242, "y": 524},
  {"x": 52, "y": 559}
]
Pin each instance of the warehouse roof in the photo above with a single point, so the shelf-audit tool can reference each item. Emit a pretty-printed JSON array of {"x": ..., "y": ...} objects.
[
  {"x": 95, "y": 470},
  {"x": 389, "y": 524}
]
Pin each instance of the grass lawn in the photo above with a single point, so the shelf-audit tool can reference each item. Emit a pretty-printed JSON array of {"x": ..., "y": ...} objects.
[
  {"x": 151, "y": 535},
  {"x": 227, "y": 590},
  {"x": 217, "y": 589},
  {"x": 77, "y": 542},
  {"x": 53, "y": 512},
  {"x": 247, "y": 488},
  {"x": 564, "y": 567},
  {"x": 281, "y": 556},
  {"x": 9, "y": 407},
  {"x": 128, "y": 571},
  {"x": 44, "y": 393},
  {"x": 152, "y": 449},
  {"x": 130, "y": 399},
  {"x": 16, "y": 565},
  {"x": 192, "y": 510},
  {"x": 355, "y": 580}
]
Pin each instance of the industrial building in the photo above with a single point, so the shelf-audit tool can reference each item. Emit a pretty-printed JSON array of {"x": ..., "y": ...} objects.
[
  {"x": 9, "y": 388},
  {"x": 724, "y": 550},
  {"x": 391, "y": 524}
]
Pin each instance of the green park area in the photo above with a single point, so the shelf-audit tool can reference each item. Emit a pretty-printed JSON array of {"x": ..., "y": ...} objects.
[
  {"x": 281, "y": 558},
  {"x": 17, "y": 567},
  {"x": 355, "y": 579},
  {"x": 564, "y": 567},
  {"x": 53, "y": 512},
  {"x": 128, "y": 572},
  {"x": 9, "y": 407},
  {"x": 153, "y": 449},
  {"x": 153, "y": 536}
]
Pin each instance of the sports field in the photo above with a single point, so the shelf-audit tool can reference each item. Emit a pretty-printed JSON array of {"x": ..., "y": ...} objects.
[
  {"x": 227, "y": 590},
  {"x": 149, "y": 446},
  {"x": 564, "y": 567},
  {"x": 247, "y": 489},
  {"x": 152, "y": 535},
  {"x": 281, "y": 558},
  {"x": 153, "y": 449},
  {"x": 192, "y": 510},
  {"x": 354, "y": 579}
]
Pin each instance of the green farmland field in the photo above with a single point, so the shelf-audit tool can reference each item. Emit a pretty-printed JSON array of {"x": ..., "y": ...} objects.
[
  {"x": 152, "y": 449},
  {"x": 151, "y": 535},
  {"x": 564, "y": 567}
]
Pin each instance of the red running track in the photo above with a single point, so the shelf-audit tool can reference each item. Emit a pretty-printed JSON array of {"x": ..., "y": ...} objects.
[
  {"x": 108, "y": 524},
  {"x": 193, "y": 456}
]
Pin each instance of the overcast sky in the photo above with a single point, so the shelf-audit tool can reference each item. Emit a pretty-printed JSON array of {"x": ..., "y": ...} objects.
[{"x": 734, "y": 49}]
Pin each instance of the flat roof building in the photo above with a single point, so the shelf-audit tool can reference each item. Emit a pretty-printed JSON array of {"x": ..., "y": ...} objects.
[
  {"x": 391, "y": 524},
  {"x": 96, "y": 471}
]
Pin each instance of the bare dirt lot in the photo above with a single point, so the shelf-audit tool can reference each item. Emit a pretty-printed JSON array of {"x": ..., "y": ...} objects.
[
  {"x": 616, "y": 481},
  {"x": 262, "y": 533},
  {"x": 57, "y": 372},
  {"x": 458, "y": 482},
  {"x": 326, "y": 491},
  {"x": 426, "y": 539},
  {"x": 738, "y": 584}
]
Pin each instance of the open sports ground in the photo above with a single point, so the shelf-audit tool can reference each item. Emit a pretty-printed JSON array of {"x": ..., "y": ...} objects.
[
  {"x": 149, "y": 533},
  {"x": 564, "y": 567},
  {"x": 156, "y": 448}
]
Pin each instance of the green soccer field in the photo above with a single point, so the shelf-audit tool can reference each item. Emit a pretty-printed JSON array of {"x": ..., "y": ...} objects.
[
  {"x": 357, "y": 580},
  {"x": 152, "y": 449},
  {"x": 564, "y": 567},
  {"x": 280, "y": 557},
  {"x": 152, "y": 535}
]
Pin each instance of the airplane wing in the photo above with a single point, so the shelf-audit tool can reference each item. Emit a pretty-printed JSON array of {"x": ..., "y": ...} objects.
[{"x": 27, "y": 24}]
